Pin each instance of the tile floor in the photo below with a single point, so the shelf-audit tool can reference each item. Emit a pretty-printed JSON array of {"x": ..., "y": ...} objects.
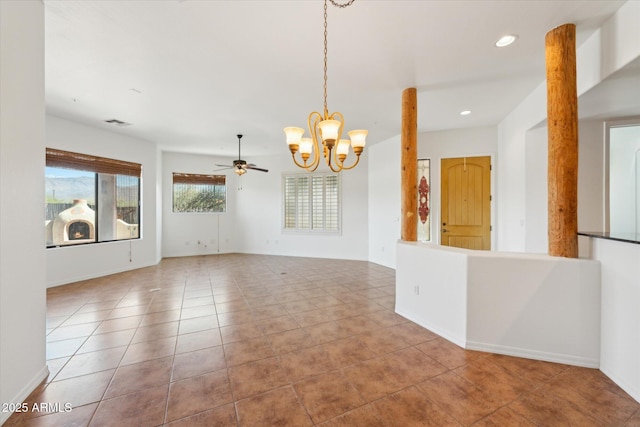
[{"x": 249, "y": 340}]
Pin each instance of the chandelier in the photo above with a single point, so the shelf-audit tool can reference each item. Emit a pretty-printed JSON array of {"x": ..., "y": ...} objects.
[{"x": 326, "y": 130}]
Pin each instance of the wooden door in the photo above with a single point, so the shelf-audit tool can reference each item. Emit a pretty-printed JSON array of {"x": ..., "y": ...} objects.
[{"x": 466, "y": 202}]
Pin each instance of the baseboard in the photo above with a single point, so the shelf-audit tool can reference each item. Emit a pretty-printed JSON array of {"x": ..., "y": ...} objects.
[
  {"x": 444, "y": 334},
  {"x": 566, "y": 359},
  {"x": 506, "y": 350},
  {"x": 623, "y": 384},
  {"x": 25, "y": 392},
  {"x": 97, "y": 275}
]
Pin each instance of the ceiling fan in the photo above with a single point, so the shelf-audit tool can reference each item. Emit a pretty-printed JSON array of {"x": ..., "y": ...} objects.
[{"x": 240, "y": 166}]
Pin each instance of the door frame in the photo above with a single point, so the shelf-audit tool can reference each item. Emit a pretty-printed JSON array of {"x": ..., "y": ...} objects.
[{"x": 436, "y": 199}]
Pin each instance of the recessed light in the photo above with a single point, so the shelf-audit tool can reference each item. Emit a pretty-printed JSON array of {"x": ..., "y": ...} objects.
[
  {"x": 506, "y": 40},
  {"x": 465, "y": 112}
]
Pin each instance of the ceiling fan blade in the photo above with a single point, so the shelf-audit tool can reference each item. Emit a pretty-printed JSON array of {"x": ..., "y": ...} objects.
[
  {"x": 223, "y": 166},
  {"x": 253, "y": 167}
]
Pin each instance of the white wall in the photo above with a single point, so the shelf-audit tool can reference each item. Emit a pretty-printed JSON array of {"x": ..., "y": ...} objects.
[
  {"x": 384, "y": 182},
  {"x": 620, "y": 324},
  {"x": 186, "y": 234},
  {"x": 511, "y": 171},
  {"x": 253, "y": 220},
  {"x": 384, "y": 201},
  {"x": 259, "y": 213},
  {"x": 536, "y": 203},
  {"x": 431, "y": 288},
  {"x": 591, "y": 175},
  {"x": 74, "y": 263},
  {"x": 22, "y": 260},
  {"x": 590, "y": 183},
  {"x": 534, "y": 306},
  {"x": 609, "y": 49}
]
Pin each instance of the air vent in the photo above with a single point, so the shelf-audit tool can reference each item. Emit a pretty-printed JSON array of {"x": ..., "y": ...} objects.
[{"x": 117, "y": 122}]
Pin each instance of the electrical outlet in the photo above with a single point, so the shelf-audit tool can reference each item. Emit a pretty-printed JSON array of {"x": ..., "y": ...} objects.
[{"x": 416, "y": 289}]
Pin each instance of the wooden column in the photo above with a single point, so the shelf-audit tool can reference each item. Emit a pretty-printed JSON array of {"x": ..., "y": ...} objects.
[
  {"x": 562, "y": 118},
  {"x": 409, "y": 164}
]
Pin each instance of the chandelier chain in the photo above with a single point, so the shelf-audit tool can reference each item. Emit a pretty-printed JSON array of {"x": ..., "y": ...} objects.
[
  {"x": 326, "y": 129},
  {"x": 325, "y": 57},
  {"x": 336, "y": 4}
]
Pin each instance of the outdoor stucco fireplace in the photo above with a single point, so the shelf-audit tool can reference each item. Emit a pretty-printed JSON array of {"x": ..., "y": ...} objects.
[{"x": 73, "y": 225}]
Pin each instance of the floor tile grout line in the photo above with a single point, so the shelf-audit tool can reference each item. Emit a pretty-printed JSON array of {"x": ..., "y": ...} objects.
[
  {"x": 345, "y": 298},
  {"x": 173, "y": 357}
]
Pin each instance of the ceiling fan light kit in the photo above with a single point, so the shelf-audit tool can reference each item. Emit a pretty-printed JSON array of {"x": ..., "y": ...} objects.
[
  {"x": 240, "y": 166},
  {"x": 326, "y": 130}
]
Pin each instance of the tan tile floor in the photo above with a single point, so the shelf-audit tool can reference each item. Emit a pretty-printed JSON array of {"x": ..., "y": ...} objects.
[{"x": 248, "y": 340}]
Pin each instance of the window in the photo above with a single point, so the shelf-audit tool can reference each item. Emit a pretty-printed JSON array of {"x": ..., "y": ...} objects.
[
  {"x": 199, "y": 193},
  {"x": 312, "y": 202},
  {"x": 90, "y": 199}
]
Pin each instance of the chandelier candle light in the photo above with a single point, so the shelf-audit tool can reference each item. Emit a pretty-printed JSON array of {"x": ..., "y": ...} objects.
[{"x": 326, "y": 129}]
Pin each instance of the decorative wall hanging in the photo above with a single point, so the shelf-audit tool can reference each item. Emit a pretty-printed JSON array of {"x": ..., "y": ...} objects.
[{"x": 424, "y": 179}]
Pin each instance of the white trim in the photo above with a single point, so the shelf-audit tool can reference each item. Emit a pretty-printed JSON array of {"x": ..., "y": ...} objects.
[
  {"x": 623, "y": 383},
  {"x": 26, "y": 391},
  {"x": 608, "y": 124},
  {"x": 96, "y": 275},
  {"x": 535, "y": 355},
  {"x": 421, "y": 322}
]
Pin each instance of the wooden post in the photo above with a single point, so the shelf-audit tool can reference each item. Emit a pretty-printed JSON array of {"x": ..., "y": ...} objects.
[
  {"x": 409, "y": 165},
  {"x": 562, "y": 119}
]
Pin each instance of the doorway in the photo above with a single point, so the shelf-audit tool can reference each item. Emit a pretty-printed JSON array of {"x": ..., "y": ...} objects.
[
  {"x": 466, "y": 202},
  {"x": 622, "y": 212}
]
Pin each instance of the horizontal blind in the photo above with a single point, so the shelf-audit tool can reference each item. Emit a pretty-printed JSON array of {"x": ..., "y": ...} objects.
[
  {"x": 70, "y": 160},
  {"x": 303, "y": 207},
  {"x": 317, "y": 202},
  {"x": 312, "y": 202},
  {"x": 192, "y": 178},
  {"x": 290, "y": 213},
  {"x": 331, "y": 206}
]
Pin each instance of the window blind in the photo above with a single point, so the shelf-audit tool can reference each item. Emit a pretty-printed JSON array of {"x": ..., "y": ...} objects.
[
  {"x": 70, "y": 160},
  {"x": 311, "y": 202},
  {"x": 192, "y": 178}
]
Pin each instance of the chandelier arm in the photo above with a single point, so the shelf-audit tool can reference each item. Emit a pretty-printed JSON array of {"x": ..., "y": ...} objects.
[
  {"x": 334, "y": 169},
  {"x": 346, "y": 168},
  {"x": 300, "y": 165},
  {"x": 339, "y": 117},
  {"x": 312, "y": 123},
  {"x": 336, "y": 160},
  {"x": 309, "y": 167}
]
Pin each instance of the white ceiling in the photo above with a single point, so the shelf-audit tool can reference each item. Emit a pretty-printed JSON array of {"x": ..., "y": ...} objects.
[{"x": 189, "y": 75}]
